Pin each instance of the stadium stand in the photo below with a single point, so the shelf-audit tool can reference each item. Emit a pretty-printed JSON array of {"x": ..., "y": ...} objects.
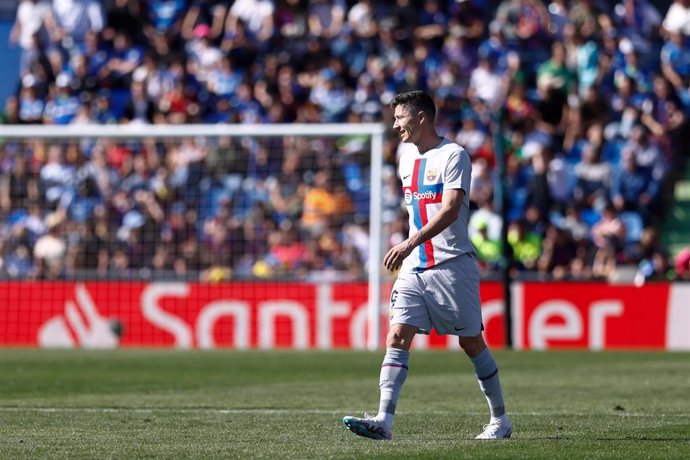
[{"x": 595, "y": 96}]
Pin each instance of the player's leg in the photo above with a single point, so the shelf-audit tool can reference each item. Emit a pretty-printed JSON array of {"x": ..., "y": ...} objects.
[
  {"x": 455, "y": 308},
  {"x": 408, "y": 315},
  {"x": 394, "y": 369},
  {"x": 487, "y": 375},
  {"x": 392, "y": 377}
]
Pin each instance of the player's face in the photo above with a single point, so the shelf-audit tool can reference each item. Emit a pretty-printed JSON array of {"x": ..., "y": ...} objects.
[{"x": 405, "y": 123}]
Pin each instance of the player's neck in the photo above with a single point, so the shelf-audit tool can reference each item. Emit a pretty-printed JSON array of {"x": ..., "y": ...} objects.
[{"x": 430, "y": 142}]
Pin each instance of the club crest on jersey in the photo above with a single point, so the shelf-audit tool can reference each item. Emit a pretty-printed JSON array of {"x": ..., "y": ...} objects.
[{"x": 431, "y": 175}]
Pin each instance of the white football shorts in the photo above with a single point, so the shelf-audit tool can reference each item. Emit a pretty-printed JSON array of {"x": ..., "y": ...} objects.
[{"x": 445, "y": 298}]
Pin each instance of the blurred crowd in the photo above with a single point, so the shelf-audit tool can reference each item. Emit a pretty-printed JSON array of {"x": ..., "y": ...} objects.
[{"x": 587, "y": 100}]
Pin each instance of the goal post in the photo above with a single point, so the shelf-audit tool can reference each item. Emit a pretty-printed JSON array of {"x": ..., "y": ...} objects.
[{"x": 373, "y": 132}]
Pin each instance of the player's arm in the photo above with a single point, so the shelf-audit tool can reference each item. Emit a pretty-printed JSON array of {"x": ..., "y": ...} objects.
[{"x": 450, "y": 209}]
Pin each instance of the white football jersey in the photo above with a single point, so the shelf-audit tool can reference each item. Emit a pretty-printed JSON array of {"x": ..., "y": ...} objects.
[{"x": 424, "y": 179}]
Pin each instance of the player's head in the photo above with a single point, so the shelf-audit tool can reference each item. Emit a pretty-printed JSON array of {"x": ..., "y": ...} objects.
[
  {"x": 415, "y": 102},
  {"x": 414, "y": 114}
]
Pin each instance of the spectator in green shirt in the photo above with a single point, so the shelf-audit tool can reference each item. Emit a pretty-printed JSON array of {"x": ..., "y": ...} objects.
[
  {"x": 526, "y": 245},
  {"x": 488, "y": 250},
  {"x": 555, "y": 72}
]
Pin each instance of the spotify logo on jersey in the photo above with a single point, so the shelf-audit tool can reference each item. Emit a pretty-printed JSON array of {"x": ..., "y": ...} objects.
[{"x": 408, "y": 196}]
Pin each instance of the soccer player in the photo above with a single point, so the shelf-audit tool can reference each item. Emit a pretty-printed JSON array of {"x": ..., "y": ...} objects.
[{"x": 438, "y": 280}]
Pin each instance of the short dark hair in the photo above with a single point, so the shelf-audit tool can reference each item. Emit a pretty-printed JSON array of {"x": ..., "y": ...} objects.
[{"x": 416, "y": 101}]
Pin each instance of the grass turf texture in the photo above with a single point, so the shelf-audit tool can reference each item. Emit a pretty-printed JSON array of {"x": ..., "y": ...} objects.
[{"x": 222, "y": 404}]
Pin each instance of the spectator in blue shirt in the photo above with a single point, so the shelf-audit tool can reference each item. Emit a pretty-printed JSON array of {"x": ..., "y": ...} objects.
[
  {"x": 433, "y": 23},
  {"x": 124, "y": 59},
  {"x": 675, "y": 60},
  {"x": 102, "y": 110},
  {"x": 639, "y": 20},
  {"x": 224, "y": 79},
  {"x": 633, "y": 188},
  {"x": 61, "y": 108},
  {"x": 95, "y": 50},
  {"x": 166, "y": 16},
  {"x": 30, "y": 104},
  {"x": 331, "y": 96},
  {"x": 633, "y": 68}
]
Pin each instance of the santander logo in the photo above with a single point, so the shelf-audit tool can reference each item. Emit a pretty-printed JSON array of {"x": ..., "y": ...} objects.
[{"x": 81, "y": 325}]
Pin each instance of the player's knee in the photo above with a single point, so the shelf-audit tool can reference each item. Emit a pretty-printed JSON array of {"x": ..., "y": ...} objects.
[
  {"x": 399, "y": 338},
  {"x": 472, "y": 346},
  {"x": 396, "y": 341}
]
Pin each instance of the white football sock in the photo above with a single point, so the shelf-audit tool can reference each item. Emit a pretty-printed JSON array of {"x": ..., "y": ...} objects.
[
  {"x": 393, "y": 375},
  {"x": 487, "y": 376}
]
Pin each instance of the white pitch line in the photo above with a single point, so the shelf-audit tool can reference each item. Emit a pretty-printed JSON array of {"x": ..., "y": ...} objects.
[
  {"x": 189, "y": 410},
  {"x": 201, "y": 410}
]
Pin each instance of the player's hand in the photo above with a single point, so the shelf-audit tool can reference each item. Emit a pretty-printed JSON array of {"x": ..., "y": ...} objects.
[{"x": 395, "y": 256}]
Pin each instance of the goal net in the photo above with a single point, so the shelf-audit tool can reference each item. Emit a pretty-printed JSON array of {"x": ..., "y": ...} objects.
[{"x": 192, "y": 236}]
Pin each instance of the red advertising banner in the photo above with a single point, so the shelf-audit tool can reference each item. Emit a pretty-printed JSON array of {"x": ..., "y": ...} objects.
[
  {"x": 593, "y": 316},
  {"x": 183, "y": 315},
  {"x": 325, "y": 316}
]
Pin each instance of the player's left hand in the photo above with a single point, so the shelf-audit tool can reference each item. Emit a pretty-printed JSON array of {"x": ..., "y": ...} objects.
[{"x": 395, "y": 256}]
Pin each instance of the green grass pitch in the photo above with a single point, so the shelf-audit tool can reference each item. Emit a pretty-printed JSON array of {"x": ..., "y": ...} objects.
[{"x": 289, "y": 405}]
